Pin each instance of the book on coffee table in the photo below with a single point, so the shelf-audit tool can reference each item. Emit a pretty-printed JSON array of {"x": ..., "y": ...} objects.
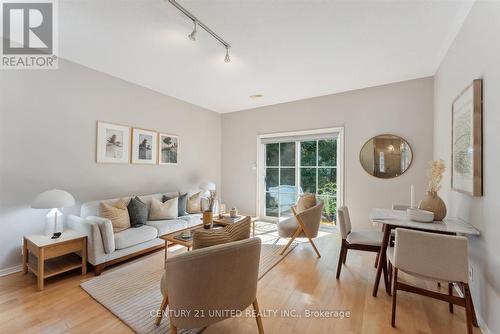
[{"x": 180, "y": 237}]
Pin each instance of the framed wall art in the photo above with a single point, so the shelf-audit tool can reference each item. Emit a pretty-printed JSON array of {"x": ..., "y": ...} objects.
[
  {"x": 144, "y": 146},
  {"x": 112, "y": 143},
  {"x": 168, "y": 149},
  {"x": 467, "y": 151}
]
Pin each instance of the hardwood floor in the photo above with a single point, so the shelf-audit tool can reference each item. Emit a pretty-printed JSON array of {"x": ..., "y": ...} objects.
[{"x": 300, "y": 282}]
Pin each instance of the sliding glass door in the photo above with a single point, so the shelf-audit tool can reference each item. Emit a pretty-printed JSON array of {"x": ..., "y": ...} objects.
[{"x": 299, "y": 166}]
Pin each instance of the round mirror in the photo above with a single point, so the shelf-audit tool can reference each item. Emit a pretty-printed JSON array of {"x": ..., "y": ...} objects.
[{"x": 386, "y": 156}]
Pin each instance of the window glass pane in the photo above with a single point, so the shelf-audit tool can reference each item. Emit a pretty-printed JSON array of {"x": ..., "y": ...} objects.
[
  {"x": 287, "y": 151},
  {"x": 308, "y": 153},
  {"x": 327, "y": 181},
  {"x": 329, "y": 214},
  {"x": 272, "y": 178},
  {"x": 272, "y": 204},
  {"x": 286, "y": 202},
  {"x": 308, "y": 180},
  {"x": 287, "y": 181},
  {"x": 272, "y": 154},
  {"x": 327, "y": 152},
  {"x": 286, "y": 210}
]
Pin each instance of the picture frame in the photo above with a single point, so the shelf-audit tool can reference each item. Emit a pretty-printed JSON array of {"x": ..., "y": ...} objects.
[
  {"x": 168, "y": 149},
  {"x": 466, "y": 141},
  {"x": 144, "y": 146},
  {"x": 112, "y": 143}
]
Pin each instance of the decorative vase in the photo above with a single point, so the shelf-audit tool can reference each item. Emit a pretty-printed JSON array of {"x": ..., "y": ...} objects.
[
  {"x": 233, "y": 213},
  {"x": 433, "y": 203},
  {"x": 207, "y": 219}
]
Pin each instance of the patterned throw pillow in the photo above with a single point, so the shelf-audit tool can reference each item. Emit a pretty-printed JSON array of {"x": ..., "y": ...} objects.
[
  {"x": 232, "y": 232},
  {"x": 182, "y": 203},
  {"x": 138, "y": 212},
  {"x": 117, "y": 213},
  {"x": 305, "y": 202},
  {"x": 161, "y": 211},
  {"x": 194, "y": 203}
]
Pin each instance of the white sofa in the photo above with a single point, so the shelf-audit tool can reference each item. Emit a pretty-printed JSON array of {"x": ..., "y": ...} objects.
[{"x": 106, "y": 248}]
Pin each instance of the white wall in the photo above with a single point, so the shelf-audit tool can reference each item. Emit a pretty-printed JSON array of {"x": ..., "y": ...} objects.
[
  {"x": 474, "y": 54},
  {"x": 47, "y": 140},
  {"x": 402, "y": 108}
]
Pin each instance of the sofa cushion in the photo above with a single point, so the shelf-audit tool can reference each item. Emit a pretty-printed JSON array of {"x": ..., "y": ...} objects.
[
  {"x": 138, "y": 212},
  {"x": 194, "y": 203},
  {"x": 117, "y": 213},
  {"x": 134, "y": 236},
  {"x": 161, "y": 211},
  {"x": 168, "y": 226},
  {"x": 182, "y": 203}
]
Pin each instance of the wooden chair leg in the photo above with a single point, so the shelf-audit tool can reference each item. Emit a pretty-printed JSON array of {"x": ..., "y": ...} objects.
[
  {"x": 450, "y": 292},
  {"x": 344, "y": 259},
  {"x": 343, "y": 249},
  {"x": 394, "y": 291},
  {"x": 386, "y": 279},
  {"x": 468, "y": 308},
  {"x": 258, "y": 317},
  {"x": 163, "y": 306},
  {"x": 314, "y": 246},
  {"x": 376, "y": 259},
  {"x": 295, "y": 235},
  {"x": 173, "y": 329},
  {"x": 389, "y": 274}
]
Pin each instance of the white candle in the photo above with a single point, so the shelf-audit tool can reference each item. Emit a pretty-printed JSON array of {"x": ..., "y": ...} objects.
[{"x": 412, "y": 196}]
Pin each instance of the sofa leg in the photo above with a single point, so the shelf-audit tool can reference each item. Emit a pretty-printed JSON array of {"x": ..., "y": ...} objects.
[{"x": 99, "y": 268}]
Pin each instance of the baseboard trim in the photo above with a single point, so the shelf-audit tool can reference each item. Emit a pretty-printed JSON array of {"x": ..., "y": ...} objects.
[{"x": 11, "y": 270}]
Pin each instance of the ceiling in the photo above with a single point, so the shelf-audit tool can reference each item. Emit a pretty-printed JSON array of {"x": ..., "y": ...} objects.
[{"x": 284, "y": 50}]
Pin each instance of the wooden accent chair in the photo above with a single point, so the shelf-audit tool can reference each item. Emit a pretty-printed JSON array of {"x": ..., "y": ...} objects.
[
  {"x": 304, "y": 224},
  {"x": 369, "y": 240},
  {"x": 203, "y": 286},
  {"x": 436, "y": 257}
]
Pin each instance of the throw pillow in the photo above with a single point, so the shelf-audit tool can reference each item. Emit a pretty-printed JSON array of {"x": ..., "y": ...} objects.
[
  {"x": 194, "y": 203},
  {"x": 305, "y": 202},
  {"x": 232, "y": 232},
  {"x": 161, "y": 211},
  {"x": 182, "y": 202},
  {"x": 138, "y": 212},
  {"x": 117, "y": 213}
]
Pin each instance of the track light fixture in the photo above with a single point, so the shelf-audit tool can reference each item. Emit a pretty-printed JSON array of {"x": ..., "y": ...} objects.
[
  {"x": 192, "y": 35},
  {"x": 196, "y": 22}
]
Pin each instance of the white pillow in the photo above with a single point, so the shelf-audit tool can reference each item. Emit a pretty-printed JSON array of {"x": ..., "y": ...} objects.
[{"x": 161, "y": 211}]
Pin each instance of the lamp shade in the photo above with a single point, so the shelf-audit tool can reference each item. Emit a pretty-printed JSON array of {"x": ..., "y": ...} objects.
[
  {"x": 54, "y": 198},
  {"x": 208, "y": 186}
]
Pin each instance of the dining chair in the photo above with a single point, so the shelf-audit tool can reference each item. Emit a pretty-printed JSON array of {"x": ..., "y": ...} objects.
[
  {"x": 203, "y": 283},
  {"x": 304, "y": 224},
  {"x": 368, "y": 240},
  {"x": 435, "y": 257}
]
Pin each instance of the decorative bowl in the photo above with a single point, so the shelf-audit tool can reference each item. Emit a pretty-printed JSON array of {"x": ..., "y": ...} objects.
[{"x": 421, "y": 216}]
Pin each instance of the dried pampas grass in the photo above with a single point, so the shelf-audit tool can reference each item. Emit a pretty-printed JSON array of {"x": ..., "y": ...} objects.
[{"x": 435, "y": 174}]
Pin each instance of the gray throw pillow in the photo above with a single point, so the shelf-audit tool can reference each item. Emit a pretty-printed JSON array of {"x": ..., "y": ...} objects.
[
  {"x": 138, "y": 212},
  {"x": 182, "y": 203}
]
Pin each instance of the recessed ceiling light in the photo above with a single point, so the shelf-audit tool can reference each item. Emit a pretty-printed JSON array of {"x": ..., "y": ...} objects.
[{"x": 256, "y": 96}]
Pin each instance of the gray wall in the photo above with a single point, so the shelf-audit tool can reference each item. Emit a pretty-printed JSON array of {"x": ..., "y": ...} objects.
[
  {"x": 474, "y": 54},
  {"x": 47, "y": 139},
  {"x": 404, "y": 109}
]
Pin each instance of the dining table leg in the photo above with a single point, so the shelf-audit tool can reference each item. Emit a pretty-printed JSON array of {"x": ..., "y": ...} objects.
[{"x": 382, "y": 259}]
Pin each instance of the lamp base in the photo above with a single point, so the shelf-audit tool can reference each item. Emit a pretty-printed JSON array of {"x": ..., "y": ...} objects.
[{"x": 53, "y": 222}]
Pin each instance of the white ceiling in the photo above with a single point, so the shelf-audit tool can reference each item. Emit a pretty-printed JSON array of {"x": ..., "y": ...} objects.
[{"x": 285, "y": 50}]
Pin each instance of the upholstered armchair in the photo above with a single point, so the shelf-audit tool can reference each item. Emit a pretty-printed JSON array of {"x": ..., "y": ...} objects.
[
  {"x": 304, "y": 224},
  {"x": 208, "y": 283}
]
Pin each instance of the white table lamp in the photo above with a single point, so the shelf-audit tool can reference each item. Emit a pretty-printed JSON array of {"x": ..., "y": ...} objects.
[{"x": 54, "y": 200}]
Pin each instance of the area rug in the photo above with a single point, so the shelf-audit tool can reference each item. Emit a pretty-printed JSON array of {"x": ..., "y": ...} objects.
[{"x": 132, "y": 292}]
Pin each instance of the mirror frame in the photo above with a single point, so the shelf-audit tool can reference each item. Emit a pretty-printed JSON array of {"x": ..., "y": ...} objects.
[{"x": 386, "y": 178}]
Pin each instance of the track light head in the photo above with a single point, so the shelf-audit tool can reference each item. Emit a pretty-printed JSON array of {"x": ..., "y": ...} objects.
[
  {"x": 192, "y": 35},
  {"x": 227, "y": 59}
]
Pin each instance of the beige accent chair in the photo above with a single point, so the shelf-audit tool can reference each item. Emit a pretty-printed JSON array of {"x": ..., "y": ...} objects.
[
  {"x": 304, "y": 224},
  {"x": 207, "y": 283},
  {"x": 368, "y": 240},
  {"x": 434, "y": 257}
]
